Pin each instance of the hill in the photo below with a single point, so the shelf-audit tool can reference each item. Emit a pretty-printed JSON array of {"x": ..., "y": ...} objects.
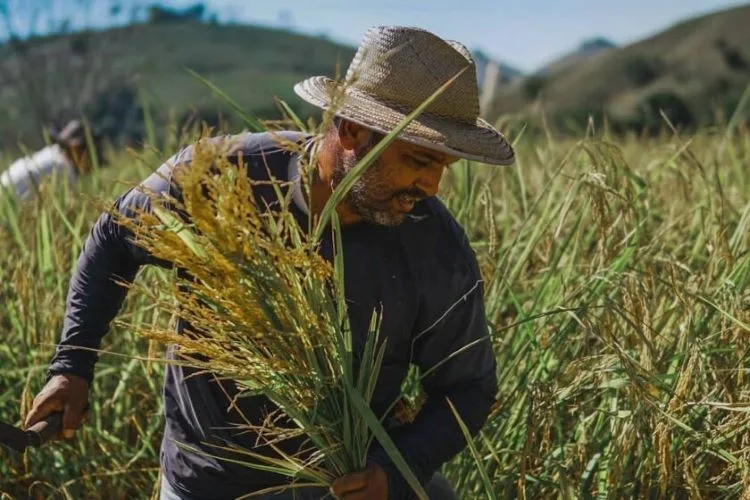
[
  {"x": 109, "y": 74},
  {"x": 589, "y": 48},
  {"x": 689, "y": 71},
  {"x": 505, "y": 72}
]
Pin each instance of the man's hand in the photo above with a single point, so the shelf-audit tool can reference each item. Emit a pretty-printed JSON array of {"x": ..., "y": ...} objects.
[
  {"x": 369, "y": 484},
  {"x": 66, "y": 393}
]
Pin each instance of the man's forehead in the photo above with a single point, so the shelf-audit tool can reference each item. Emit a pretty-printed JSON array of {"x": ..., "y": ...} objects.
[{"x": 426, "y": 153}]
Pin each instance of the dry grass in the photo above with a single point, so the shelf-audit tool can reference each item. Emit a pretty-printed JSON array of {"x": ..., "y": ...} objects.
[
  {"x": 617, "y": 276},
  {"x": 264, "y": 309}
]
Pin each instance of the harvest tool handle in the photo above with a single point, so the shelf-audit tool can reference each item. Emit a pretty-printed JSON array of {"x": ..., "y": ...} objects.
[
  {"x": 38, "y": 434},
  {"x": 45, "y": 430}
]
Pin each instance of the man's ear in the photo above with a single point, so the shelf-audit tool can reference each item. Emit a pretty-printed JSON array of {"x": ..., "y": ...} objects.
[{"x": 352, "y": 135}]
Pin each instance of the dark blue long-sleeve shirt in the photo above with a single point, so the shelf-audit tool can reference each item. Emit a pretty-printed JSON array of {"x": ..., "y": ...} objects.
[{"x": 421, "y": 274}]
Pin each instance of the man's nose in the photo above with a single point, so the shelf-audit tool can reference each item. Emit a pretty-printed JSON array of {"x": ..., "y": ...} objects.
[{"x": 429, "y": 180}]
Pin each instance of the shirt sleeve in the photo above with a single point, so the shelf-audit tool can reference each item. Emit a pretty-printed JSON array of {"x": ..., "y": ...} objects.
[
  {"x": 455, "y": 351},
  {"x": 96, "y": 292},
  {"x": 109, "y": 259}
]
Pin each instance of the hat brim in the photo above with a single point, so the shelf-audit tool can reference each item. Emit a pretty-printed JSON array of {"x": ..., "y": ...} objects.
[{"x": 478, "y": 141}]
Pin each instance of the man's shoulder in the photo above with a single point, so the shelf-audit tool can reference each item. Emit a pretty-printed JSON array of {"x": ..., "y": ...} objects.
[
  {"x": 262, "y": 143},
  {"x": 247, "y": 145},
  {"x": 440, "y": 256}
]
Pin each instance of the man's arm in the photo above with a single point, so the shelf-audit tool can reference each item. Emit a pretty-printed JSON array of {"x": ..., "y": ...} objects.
[
  {"x": 467, "y": 379},
  {"x": 95, "y": 295}
]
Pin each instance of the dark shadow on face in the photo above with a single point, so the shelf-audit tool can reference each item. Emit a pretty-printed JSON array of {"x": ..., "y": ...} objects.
[{"x": 375, "y": 196}]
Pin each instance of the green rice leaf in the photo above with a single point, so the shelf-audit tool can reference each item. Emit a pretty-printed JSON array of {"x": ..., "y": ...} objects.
[
  {"x": 250, "y": 120},
  {"x": 178, "y": 227},
  {"x": 386, "y": 442},
  {"x": 488, "y": 488}
]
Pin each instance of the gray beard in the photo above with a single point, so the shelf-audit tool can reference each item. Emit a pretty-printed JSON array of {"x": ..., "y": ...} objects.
[{"x": 360, "y": 196}]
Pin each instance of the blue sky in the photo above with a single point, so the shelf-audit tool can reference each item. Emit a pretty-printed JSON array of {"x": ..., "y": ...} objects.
[{"x": 525, "y": 33}]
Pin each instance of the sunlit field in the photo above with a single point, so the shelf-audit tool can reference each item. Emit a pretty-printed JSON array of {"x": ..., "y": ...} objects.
[{"x": 616, "y": 274}]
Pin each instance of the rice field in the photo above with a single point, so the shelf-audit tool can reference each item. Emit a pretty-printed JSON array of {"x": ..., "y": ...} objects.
[{"x": 616, "y": 280}]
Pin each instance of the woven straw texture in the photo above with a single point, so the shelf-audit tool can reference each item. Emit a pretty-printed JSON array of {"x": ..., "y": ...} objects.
[{"x": 394, "y": 71}]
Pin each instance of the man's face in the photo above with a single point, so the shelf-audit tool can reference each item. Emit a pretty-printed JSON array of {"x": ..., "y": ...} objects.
[{"x": 388, "y": 190}]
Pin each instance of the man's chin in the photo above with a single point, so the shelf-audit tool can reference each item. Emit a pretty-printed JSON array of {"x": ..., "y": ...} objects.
[{"x": 389, "y": 219}]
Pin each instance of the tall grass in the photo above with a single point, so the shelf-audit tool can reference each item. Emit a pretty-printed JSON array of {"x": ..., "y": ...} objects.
[
  {"x": 266, "y": 310},
  {"x": 616, "y": 275},
  {"x": 39, "y": 243},
  {"x": 617, "y": 282}
]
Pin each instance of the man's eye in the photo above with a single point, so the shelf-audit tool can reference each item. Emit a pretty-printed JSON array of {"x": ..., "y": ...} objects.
[{"x": 417, "y": 162}]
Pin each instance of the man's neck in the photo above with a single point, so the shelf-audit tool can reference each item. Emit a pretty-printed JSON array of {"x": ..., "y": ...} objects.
[{"x": 322, "y": 186}]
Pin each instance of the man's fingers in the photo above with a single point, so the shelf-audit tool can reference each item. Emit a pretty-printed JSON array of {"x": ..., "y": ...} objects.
[
  {"x": 72, "y": 418},
  {"x": 42, "y": 408},
  {"x": 63, "y": 392},
  {"x": 349, "y": 483}
]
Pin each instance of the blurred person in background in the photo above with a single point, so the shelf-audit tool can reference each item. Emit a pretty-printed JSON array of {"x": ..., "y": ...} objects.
[{"x": 68, "y": 156}]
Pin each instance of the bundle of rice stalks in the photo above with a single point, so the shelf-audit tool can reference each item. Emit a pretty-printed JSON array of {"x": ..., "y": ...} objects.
[{"x": 266, "y": 310}]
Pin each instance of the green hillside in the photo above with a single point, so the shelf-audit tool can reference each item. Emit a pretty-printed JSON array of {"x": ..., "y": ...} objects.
[
  {"x": 689, "y": 70},
  {"x": 251, "y": 64}
]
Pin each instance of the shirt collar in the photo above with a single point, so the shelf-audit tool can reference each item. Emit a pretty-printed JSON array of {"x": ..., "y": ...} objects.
[{"x": 294, "y": 175}]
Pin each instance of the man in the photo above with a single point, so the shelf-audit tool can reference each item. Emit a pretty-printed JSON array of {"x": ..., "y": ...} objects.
[
  {"x": 404, "y": 253},
  {"x": 68, "y": 156}
]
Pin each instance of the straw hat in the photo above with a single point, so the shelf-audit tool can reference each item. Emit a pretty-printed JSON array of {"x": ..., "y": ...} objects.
[{"x": 395, "y": 70}]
